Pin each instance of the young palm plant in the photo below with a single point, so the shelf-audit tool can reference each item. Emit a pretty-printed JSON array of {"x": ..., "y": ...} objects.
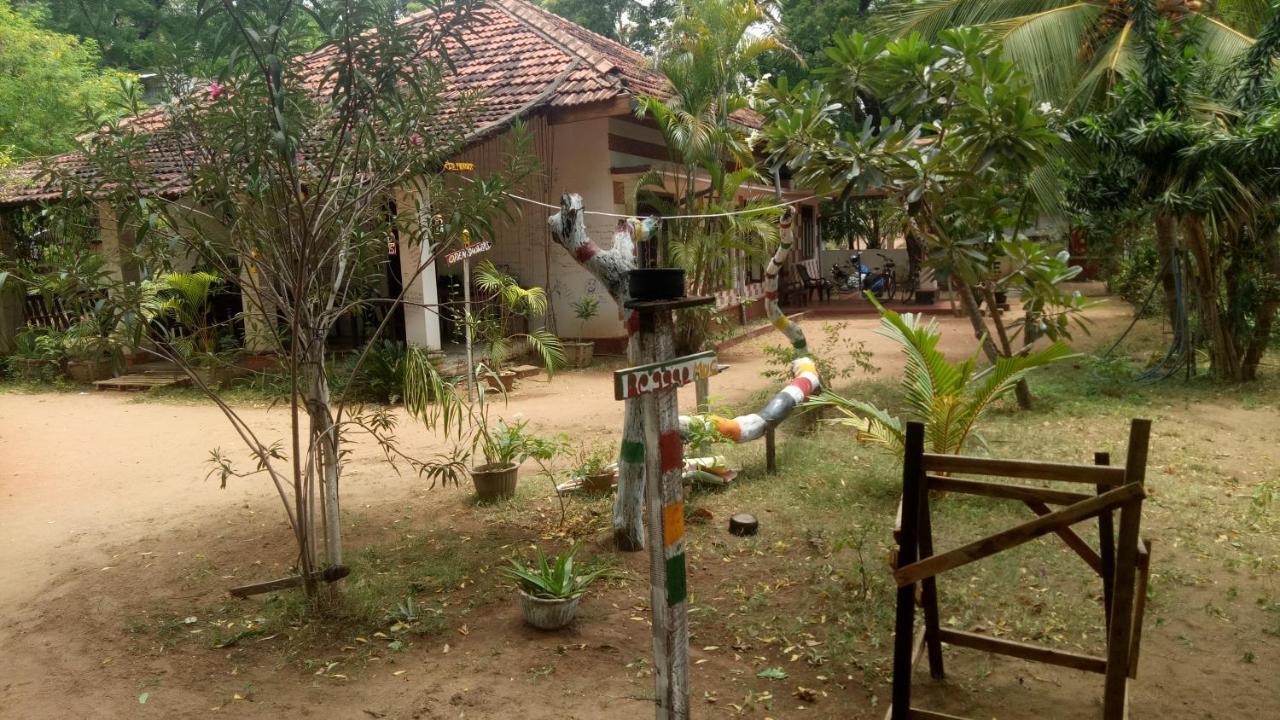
[
  {"x": 949, "y": 398},
  {"x": 515, "y": 301}
]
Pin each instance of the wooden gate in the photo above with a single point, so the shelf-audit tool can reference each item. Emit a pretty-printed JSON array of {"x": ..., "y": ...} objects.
[{"x": 1122, "y": 561}]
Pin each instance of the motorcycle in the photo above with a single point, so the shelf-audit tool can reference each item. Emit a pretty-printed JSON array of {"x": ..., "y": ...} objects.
[{"x": 858, "y": 277}]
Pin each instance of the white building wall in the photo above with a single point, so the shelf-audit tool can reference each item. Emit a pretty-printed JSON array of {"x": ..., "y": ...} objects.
[{"x": 581, "y": 165}]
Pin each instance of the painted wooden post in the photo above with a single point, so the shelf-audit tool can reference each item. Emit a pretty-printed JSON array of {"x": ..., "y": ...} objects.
[{"x": 655, "y": 383}]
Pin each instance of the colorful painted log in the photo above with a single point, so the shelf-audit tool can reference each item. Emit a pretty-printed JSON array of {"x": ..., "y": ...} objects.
[
  {"x": 610, "y": 267},
  {"x": 804, "y": 372}
]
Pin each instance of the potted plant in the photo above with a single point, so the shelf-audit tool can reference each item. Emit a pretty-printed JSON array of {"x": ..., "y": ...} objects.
[
  {"x": 91, "y": 351},
  {"x": 549, "y": 589},
  {"x": 37, "y": 353},
  {"x": 494, "y": 327},
  {"x": 578, "y": 352},
  {"x": 596, "y": 468},
  {"x": 505, "y": 447}
]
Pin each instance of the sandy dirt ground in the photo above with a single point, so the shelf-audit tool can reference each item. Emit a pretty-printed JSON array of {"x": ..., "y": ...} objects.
[{"x": 97, "y": 490}]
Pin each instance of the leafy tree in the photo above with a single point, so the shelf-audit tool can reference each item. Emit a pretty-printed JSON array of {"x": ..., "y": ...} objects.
[
  {"x": 47, "y": 80},
  {"x": 637, "y": 23},
  {"x": 1192, "y": 142},
  {"x": 1072, "y": 50},
  {"x": 807, "y": 26},
  {"x": 965, "y": 157},
  {"x": 291, "y": 168},
  {"x": 129, "y": 32}
]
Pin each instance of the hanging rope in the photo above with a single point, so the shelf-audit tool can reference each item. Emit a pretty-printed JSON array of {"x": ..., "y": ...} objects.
[{"x": 601, "y": 213}]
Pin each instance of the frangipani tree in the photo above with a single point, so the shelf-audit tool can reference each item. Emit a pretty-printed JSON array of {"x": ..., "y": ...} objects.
[{"x": 960, "y": 137}]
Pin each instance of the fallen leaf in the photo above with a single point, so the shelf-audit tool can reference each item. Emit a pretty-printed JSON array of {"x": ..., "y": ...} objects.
[{"x": 143, "y": 698}]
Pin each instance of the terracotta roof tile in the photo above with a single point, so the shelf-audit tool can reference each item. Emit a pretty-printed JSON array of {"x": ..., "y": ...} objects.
[{"x": 511, "y": 55}]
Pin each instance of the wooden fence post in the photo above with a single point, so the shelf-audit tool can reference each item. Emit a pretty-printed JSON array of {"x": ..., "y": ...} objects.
[
  {"x": 904, "y": 624},
  {"x": 1115, "y": 697}
]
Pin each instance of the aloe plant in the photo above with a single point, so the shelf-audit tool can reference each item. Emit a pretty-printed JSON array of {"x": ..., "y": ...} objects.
[
  {"x": 552, "y": 578},
  {"x": 949, "y": 398}
]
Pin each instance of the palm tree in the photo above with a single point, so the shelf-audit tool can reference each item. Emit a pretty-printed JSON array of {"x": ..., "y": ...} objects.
[
  {"x": 1198, "y": 142},
  {"x": 1073, "y": 50},
  {"x": 707, "y": 59}
]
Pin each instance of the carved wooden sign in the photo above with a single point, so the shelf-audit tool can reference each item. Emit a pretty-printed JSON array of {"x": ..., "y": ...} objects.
[
  {"x": 665, "y": 375},
  {"x": 468, "y": 251}
]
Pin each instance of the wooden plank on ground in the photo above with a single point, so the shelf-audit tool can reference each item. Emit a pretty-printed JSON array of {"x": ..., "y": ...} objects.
[
  {"x": 915, "y": 571},
  {"x": 1035, "y": 653},
  {"x": 1026, "y": 469},
  {"x": 922, "y": 714},
  {"x": 1005, "y": 491}
]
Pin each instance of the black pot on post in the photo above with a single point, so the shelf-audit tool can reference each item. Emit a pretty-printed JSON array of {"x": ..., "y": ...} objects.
[{"x": 648, "y": 284}]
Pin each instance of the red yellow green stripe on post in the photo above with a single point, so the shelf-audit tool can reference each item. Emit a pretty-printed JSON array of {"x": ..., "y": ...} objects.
[{"x": 671, "y": 452}]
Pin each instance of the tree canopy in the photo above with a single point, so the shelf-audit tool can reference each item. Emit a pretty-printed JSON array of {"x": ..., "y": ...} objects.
[{"x": 47, "y": 82}]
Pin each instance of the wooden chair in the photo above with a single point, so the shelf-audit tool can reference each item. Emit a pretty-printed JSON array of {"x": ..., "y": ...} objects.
[
  {"x": 821, "y": 286},
  {"x": 792, "y": 292},
  {"x": 1122, "y": 561}
]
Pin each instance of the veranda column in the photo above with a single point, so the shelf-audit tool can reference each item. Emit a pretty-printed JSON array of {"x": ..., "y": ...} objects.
[
  {"x": 116, "y": 244},
  {"x": 11, "y": 295},
  {"x": 259, "y": 312},
  {"x": 421, "y": 297}
]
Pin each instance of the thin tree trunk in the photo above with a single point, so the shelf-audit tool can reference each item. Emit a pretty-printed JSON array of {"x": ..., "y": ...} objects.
[
  {"x": 1166, "y": 246},
  {"x": 1022, "y": 391},
  {"x": 324, "y": 448},
  {"x": 1222, "y": 343},
  {"x": 1260, "y": 339},
  {"x": 970, "y": 305}
]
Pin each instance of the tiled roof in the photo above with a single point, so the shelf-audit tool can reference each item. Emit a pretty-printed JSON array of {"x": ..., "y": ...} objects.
[{"x": 517, "y": 56}]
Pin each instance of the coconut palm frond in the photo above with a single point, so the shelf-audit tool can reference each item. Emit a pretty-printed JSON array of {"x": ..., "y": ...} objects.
[
  {"x": 1222, "y": 42},
  {"x": 930, "y": 17},
  {"x": 874, "y": 425},
  {"x": 1038, "y": 42}
]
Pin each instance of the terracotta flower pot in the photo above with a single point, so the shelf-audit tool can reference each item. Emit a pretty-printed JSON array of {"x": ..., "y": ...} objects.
[
  {"x": 578, "y": 354},
  {"x": 495, "y": 481},
  {"x": 599, "y": 482},
  {"x": 548, "y": 614},
  {"x": 506, "y": 378}
]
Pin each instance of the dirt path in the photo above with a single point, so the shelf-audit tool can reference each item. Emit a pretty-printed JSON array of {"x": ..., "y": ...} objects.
[
  {"x": 83, "y": 475},
  {"x": 83, "y": 471}
]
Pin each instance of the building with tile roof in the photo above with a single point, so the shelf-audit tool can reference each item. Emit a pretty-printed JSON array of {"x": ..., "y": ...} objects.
[{"x": 575, "y": 91}]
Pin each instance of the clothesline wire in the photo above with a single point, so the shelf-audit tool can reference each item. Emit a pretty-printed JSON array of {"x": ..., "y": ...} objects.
[{"x": 745, "y": 211}]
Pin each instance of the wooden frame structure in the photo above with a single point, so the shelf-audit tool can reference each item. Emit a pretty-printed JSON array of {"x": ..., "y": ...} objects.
[{"x": 1121, "y": 560}]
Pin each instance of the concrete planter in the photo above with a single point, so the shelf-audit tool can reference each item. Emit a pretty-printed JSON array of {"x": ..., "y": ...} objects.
[
  {"x": 578, "y": 354},
  {"x": 32, "y": 368},
  {"x": 87, "y": 371},
  {"x": 548, "y": 614},
  {"x": 495, "y": 481}
]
